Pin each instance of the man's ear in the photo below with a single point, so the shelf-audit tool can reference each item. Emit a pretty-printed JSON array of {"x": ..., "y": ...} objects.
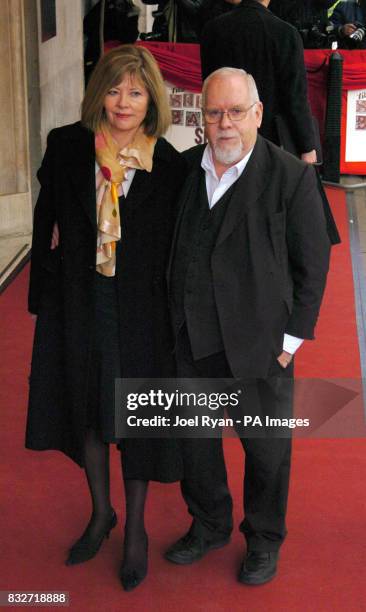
[{"x": 258, "y": 111}]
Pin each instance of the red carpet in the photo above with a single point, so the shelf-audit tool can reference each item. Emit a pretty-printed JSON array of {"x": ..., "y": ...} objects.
[
  {"x": 45, "y": 504},
  {"x": 335, "y": 352}
]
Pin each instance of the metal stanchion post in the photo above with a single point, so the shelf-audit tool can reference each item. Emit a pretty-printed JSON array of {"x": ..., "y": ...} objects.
[{"x": 332, "y": 140}]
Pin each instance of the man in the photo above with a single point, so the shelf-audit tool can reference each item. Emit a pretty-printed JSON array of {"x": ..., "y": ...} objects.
[
  {"x": 254, "y": 39},
  {"x": 246, "y": 277},
  {"x": 176, "y": 21},
  {"x": 350, "y": 20},
  {"x": 211, "y": 9}
]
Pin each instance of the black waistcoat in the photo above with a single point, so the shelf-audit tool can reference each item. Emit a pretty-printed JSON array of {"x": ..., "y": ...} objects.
[{"x": 192, "y": 290}]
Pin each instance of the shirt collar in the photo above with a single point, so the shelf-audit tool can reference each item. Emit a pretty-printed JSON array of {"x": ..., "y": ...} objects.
[{"x": 208, "y": 165}]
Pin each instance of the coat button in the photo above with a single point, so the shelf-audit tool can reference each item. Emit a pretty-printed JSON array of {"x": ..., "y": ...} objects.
[{"x": 91, "y": 267}]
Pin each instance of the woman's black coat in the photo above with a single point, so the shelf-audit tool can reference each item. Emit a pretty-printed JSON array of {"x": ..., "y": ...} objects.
[{"x": 62, "y": 294}]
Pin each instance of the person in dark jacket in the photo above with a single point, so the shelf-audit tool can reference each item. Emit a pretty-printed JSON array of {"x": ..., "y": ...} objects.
[
  {"x": 120, "y": 21},
  {"x": 254, "y": 39},
  {"x": 350, "y": 20},
  {"x": 309, "y": 17},
  {"x": 176, "y": 21},
  {"x": 108, "y": 191},
  {"x": 211, "y": 9},
  {"x": 301, "y": 11}
]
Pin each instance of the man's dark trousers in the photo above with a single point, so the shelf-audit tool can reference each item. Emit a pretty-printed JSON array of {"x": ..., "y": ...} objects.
[{"x": 267, "y": 463}]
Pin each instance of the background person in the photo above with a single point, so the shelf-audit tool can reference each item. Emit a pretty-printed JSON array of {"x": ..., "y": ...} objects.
[
  {"x": 110, "y": 184},
  {"x": 211, "y": 9},
  {"x": 175, "y": 21},
  {"x": 120, "y": 21},
  {"x": 254, "y": 39},
  {"x": 295, "y": 11},
  {"x": 309, "y": 17},
  {"x": 349, "y": 18}
]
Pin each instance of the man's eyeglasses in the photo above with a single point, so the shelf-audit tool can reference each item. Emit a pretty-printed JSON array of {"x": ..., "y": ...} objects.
[{"x": 213, "y": 115}]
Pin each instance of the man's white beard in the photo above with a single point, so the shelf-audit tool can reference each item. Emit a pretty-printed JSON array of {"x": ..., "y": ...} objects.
[{"x": 228, "y": 155}]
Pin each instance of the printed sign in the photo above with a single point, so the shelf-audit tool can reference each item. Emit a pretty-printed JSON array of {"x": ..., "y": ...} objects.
[
  {"x": 356, "y": 126},
  {"x": 187, "y": 125}
]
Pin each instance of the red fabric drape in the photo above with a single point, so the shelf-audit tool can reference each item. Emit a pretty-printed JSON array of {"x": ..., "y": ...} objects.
[
  {"x": 181, "y": 67},
  {"x": 179, "y": 62},
  {"x": 354, "y": 77},
  {"x": 354, "y": 66},
  {"x": 317, "y": 65}
]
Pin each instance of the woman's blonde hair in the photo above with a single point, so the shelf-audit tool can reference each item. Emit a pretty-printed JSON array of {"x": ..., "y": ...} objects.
[{"x": 110, "y": 71}]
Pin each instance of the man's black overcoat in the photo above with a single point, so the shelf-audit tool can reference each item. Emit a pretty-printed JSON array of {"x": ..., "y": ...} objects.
[
  {"x": 252, "y": 38},
  {"x": 270, "y": 260},
  {"x": 62, "y": 292}
]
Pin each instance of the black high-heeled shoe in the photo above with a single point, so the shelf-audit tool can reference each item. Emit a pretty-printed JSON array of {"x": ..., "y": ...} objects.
[
  {"x": 131, "y": 577},
  {"x": 85, "y": 548}
]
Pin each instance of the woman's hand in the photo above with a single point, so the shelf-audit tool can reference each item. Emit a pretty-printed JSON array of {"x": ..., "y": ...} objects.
[{"x": 55, "y": 237}]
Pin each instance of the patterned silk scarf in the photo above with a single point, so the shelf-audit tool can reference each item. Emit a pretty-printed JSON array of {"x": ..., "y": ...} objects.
[{"x": 113, "y": 164}]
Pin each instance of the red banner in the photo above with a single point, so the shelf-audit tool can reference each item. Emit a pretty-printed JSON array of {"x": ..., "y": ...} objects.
[{"x": 181, "y": 66}]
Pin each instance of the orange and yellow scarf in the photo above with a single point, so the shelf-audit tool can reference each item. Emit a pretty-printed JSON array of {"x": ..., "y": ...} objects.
[{"x": 113, "y": 164}]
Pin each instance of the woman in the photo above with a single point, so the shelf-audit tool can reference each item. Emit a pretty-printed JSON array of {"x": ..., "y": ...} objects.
[{"x": 109, "y": 186}]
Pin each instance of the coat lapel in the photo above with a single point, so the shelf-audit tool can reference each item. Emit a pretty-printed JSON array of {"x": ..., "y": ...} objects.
[
  {"x": 249, "y": 188},
  {"x": 251, "y": 185},
  {"x": 189, "y": 189},
  {"x": 141, "y": 188},
  {"x": 81, "y": 167}
]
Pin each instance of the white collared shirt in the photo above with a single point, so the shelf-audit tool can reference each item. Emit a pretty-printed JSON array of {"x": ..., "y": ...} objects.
[
  {"x": 217, "y": 187},
  {"x": 215, "y": 190}
]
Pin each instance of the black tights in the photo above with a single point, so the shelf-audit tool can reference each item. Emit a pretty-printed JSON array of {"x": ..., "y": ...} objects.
[
  {"x": 135, "y": 542},
  {"x": 97, "y": 473}
]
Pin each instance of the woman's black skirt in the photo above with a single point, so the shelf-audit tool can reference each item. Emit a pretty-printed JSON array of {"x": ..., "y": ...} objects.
[
  {"x": 143, "y": 459},
  {"x": 105, "y": 365}
]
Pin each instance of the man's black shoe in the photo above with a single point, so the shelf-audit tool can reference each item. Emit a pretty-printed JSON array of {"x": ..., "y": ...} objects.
[
  {"x": 258, "y": 567},
  {"x": 191, "y": 548}
]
